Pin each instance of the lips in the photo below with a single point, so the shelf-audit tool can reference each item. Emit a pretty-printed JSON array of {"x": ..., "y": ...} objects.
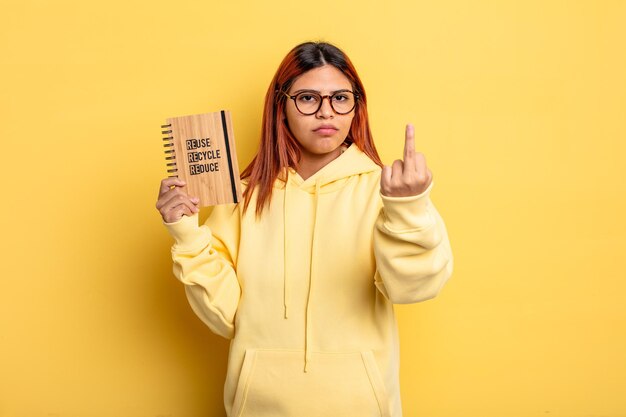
[{"x": 326, "y": 130}]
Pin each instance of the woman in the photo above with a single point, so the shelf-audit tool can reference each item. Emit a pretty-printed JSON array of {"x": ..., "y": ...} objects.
[{"x": 302, "y": 275}]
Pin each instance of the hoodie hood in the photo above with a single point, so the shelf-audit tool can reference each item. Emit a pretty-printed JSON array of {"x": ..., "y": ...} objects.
[{"x": 334, "y": 175}]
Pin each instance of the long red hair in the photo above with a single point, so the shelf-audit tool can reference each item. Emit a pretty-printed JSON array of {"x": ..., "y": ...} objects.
[{"x": 278, "y": 149}]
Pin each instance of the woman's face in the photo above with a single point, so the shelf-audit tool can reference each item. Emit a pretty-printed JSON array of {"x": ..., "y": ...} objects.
[{"x": 320, "y": 134}]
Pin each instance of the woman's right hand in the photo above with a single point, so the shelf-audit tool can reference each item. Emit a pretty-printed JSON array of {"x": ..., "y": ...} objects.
[{"x": 173, "y": 203}]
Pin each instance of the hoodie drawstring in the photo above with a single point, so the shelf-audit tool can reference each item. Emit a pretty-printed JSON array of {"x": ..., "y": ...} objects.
[
  {"x": 307, "y": 352},
  {"x": 354, "y": 162}
]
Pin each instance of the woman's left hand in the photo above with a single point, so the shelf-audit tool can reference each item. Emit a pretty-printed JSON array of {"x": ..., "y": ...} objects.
[{"x": 409, "y": 177}]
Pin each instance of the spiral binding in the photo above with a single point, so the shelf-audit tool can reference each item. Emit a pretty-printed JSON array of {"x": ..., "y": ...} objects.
[{"x": 169, "y": 151}]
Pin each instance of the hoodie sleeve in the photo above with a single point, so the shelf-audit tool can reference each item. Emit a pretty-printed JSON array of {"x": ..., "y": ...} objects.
[
  {"x": 204, "y": 258},
  {"x": 412, "y": 250}
]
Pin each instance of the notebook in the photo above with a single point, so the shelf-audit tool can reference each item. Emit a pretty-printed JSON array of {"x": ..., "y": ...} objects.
[{"x": 200, "y": 150}]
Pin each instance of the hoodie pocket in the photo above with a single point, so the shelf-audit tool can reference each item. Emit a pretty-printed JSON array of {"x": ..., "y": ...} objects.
[{"x": 272, "y": 383}]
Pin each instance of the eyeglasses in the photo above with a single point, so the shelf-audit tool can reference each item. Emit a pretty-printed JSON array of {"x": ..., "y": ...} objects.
[{"x": 310, "y": 102}]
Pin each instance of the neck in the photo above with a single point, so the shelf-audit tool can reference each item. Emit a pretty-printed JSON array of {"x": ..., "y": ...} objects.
[{"x": 311, "y": 163}]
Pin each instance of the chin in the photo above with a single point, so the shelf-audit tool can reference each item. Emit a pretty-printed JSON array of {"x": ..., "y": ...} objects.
[
  {"x": 321, "y": 146},
  {"x": 324, "y": 150}
]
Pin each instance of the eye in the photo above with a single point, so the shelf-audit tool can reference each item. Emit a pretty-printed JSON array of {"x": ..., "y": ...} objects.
[
  {"x": 308, "y": 98},
  {"x": 340, "y": 97}
]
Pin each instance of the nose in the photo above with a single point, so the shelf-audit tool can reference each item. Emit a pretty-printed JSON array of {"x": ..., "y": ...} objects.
[{"x": 325, "y": 111}]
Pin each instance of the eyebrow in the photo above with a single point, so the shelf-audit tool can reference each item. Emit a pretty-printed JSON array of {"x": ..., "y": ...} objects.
[{"x": 307, "y": 90}]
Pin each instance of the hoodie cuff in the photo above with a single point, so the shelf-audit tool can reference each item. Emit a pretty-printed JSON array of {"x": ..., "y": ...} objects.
[
  {"x": 408, "y": 214},
  {"x": 187, "y": 234}
]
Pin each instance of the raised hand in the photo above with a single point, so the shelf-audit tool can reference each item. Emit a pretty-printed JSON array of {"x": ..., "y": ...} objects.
[
  {"x": 173, "y": 202},
  {"x": 409, "y": 177}
]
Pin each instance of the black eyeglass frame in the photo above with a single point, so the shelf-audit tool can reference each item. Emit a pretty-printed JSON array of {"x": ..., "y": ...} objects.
[{"x": 330, "y": 100}]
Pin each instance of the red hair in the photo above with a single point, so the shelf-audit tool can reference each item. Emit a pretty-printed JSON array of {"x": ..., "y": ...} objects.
[{"x": 278, "y": 149}]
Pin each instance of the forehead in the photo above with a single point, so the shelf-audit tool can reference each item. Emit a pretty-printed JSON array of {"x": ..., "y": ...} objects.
[{"x": 323, "y": 79}]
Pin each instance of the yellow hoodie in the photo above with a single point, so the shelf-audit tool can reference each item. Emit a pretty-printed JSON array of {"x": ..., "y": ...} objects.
[{"x": 306, "y": 291}]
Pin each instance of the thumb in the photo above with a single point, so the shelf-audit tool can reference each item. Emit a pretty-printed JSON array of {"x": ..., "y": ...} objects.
[{"x": 385, "y": 177}]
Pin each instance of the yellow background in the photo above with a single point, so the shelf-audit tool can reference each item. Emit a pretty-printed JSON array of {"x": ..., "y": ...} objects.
[{"x": 519, "y": 107}]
